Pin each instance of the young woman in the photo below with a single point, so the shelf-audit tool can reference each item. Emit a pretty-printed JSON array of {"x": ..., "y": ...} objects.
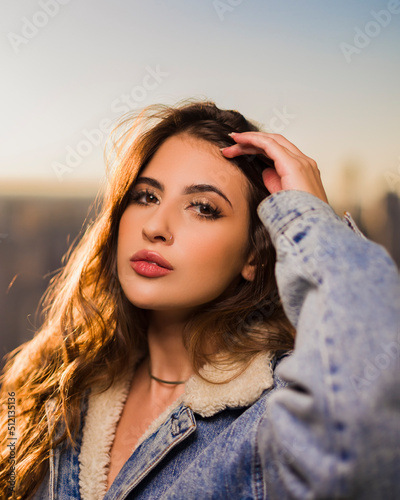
[{"x": 166, "y": 366}]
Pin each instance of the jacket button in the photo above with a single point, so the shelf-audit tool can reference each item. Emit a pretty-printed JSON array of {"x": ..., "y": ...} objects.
[{"x": 175, "y": 426}]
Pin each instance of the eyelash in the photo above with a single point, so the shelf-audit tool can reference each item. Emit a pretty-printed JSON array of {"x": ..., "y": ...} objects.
[{"x": 215, "y": 213}]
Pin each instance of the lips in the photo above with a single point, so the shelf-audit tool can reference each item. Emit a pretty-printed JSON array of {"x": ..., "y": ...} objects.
[
  {"x": 151, "y": 258},
  {"x": 150, "y": 264}
]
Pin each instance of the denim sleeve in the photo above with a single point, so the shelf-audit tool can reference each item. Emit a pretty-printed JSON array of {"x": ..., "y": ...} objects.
[{"x": 332, "y": 423}]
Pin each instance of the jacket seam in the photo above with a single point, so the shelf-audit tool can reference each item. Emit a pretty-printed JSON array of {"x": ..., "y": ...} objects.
[{"x": 159, "y": 458}]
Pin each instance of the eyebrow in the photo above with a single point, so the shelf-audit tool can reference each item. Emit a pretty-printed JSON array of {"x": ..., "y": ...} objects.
[{"x": 193, "y": 188}]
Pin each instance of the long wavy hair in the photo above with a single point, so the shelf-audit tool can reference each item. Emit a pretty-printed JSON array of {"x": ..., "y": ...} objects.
[{"x": 92, "y": 335}]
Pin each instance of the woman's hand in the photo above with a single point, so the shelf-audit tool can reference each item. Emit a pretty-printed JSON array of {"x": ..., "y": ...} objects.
[{"x": 293, "y": 169}]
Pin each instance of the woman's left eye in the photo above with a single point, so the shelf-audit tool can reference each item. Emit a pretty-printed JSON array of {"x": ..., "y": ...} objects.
[{"x": 206, "y": 211}]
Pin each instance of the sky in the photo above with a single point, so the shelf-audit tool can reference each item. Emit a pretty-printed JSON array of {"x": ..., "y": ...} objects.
[{"x": 324, "y": 74}]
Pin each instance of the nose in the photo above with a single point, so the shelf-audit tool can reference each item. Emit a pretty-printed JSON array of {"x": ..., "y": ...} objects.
[{"x": 156, "y": 227}]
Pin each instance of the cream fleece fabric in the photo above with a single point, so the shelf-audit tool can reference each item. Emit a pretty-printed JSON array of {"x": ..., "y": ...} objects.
[
  {"x": 207, "y": 399},
  {"x": 104, "y": 411},
  {"x": 204, "y": 398}
]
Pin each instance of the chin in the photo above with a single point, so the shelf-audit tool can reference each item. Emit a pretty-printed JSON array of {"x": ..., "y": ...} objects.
[
  {"x": 147, "y": 297},
  {"x": 162, "y": 305},
  {"x": 144, "y": 304},
  {"x": 150, "y": 303}
]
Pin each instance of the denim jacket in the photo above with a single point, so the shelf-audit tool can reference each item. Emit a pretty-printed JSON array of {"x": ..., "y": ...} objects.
[{"x": 320, "y": 422}]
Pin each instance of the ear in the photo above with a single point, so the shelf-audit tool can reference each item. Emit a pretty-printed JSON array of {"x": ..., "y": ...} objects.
[{"x": 249, "y": 269}]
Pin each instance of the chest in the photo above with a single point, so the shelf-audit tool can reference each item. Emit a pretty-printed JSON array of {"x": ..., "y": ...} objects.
[
  {"x": 141, "y": 409},
  {"x": 183, "y": 453}
]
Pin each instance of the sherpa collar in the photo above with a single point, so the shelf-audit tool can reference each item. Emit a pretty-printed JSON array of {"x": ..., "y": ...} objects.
[
  {"x": 204, "y": 398},
  {"x": 207, "y": 398}
]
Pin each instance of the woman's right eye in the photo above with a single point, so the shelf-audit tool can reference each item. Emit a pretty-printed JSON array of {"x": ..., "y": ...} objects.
[{"x": 144, "y": 197}]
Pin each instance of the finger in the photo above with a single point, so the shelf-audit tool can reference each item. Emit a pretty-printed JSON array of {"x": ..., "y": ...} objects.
[
  {"x": 259, "y": 144},
  {"x": 263, "y": 142},
  {"x": 247, "y": 138},
  {"x": 272, "y": 181},
  {"x": 269, "y": 148},
  {"x": 282, "y": 158},
  {"x": 241, "y": 149},
  {"x": 293, "y": 169}
]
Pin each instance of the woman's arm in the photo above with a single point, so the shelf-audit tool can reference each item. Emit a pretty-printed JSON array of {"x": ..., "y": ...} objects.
[{"x": 333, "y": 429}]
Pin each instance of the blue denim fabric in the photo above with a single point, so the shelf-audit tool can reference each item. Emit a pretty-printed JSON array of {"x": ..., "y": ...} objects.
[
  {"x": 329, "y": 427},
  {"x": 62, "y": 479},
  {"x": 334, "y": 430}
]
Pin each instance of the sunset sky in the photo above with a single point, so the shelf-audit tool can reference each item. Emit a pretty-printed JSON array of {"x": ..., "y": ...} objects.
[{"x": 324, "y": 74}]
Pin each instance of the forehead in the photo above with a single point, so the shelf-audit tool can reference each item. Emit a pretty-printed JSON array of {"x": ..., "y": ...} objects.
[{"x": 183, "y": 160}]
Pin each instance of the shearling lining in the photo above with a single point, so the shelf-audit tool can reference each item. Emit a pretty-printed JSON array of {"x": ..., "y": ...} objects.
[{"x": 203, "y": 397}]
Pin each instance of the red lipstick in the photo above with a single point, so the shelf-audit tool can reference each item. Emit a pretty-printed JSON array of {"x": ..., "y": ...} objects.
[{"x": 150, "y": 264}]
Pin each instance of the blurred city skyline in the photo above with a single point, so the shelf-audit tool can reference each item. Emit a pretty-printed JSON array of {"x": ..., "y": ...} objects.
[{"x": 325, "y": 75}]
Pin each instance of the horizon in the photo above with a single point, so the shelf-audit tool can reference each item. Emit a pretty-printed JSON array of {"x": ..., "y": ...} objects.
[{"x": 324, "y": 75}]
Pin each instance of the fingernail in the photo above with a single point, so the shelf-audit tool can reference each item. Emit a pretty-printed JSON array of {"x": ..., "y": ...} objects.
[
  {"x": 221, "y": 149},
  {"x": 232, "y": 133}
]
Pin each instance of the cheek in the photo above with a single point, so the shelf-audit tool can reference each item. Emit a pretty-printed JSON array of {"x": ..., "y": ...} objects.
[
  {"x": 127, "y": 226},
  {"x": 218, "y": 255}
]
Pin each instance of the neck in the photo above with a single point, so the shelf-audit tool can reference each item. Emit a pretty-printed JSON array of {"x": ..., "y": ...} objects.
[{"x": 169, "y": 359}]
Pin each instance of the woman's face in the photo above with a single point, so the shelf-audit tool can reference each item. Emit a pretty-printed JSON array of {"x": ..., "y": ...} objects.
[{"x": 199, "y": 225}]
